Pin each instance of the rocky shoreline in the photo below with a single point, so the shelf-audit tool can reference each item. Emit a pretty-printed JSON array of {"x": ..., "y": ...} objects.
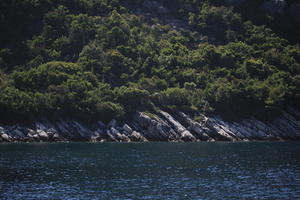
[{"x": 177, "y": 127}]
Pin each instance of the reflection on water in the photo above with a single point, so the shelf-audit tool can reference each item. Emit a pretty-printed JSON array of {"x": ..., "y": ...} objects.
[{"x": 256, "y": 170}]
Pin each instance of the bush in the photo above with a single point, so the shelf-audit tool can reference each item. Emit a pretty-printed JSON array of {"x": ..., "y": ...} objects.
[
  {"x": 131, "y": 98},
  {"x": 16, "y": 105},
  {"x": 40, "y": 78},
  {"x": 153, "y": 84},
  {"x": 173, "y": 97},
  {"x": 98, "y": 60},
  {"x": 107, "y": 111}
]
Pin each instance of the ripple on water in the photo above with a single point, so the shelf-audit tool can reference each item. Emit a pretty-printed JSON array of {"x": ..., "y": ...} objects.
[{"x": 262, "y": 170}]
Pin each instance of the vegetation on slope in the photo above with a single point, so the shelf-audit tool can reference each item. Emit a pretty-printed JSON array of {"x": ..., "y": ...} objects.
[{"x": 107, "y": 59}]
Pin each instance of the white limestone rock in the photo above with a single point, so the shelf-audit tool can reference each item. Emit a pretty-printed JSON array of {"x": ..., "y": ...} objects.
[
  {"x": 155, "y": 128},
  {"x": 6, "y": 137},
  {"x": 127, "y": 129},
  {"x": 182, "y": 132},
  {"x": 43, "y": 135},
  {"x": 197, "y": 129},
  {"x": 137, "y": 137}
]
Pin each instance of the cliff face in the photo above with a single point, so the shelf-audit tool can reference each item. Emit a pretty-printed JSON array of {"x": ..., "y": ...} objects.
[{"x": 161, "y": 127}]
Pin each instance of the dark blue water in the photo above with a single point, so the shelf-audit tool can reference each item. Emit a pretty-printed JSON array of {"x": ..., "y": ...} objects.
[{"x": 258, "y": 170}]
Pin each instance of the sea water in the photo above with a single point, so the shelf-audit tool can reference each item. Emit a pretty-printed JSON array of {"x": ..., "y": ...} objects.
[{"x": 208, "y": 171}]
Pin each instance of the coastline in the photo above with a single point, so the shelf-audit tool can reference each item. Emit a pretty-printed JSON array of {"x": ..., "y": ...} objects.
[{"x": 163, "y": 127}]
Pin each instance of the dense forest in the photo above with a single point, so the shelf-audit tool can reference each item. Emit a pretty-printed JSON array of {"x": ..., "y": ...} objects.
[{"x": 105, "y": 59}]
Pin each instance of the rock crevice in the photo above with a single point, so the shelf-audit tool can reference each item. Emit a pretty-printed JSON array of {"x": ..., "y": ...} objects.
[{"x": 164, "y": 126}]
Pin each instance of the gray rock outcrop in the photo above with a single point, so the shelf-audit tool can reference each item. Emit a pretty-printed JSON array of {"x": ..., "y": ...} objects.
[
  {"x": 127, "y": 129},
  {"x": 182, "y": 132},
  {"x": 164, "y": 126},
  {"x": 137, "y": 137},
  {"x": 154, "y": 128}
]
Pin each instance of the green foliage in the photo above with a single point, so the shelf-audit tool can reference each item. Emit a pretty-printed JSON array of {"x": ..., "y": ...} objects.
[
  {"x": 131, "y": 98},
  {"x": 153, "y": 84},
  {"x": 219, "y": 22},
  {"x": 107, "y": 110},
  {"x": 99, "y": 60},
  {"x": 19, "y": 105},
  {"x": 173, "y": 98},
  {"x": 256, "y": 69},
  {"x": 40, "y": 78}
]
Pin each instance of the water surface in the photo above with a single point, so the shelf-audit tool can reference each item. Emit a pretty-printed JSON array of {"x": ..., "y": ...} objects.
[{"x": 254, "y": 170}]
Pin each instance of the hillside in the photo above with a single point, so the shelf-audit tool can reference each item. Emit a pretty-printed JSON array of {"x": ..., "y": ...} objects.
[{"x": 103, "y": 60}]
